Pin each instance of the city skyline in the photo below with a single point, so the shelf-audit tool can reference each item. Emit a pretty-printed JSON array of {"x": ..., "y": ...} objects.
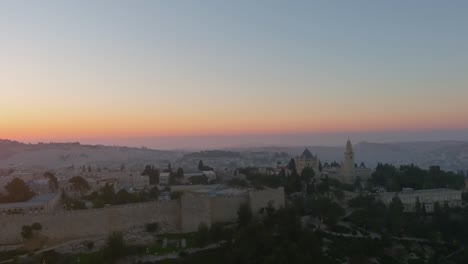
[{"x": 86, "y": 71}]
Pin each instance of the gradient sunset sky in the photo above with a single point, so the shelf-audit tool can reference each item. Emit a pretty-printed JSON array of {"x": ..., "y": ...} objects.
[{"x": 121, "y": 70}]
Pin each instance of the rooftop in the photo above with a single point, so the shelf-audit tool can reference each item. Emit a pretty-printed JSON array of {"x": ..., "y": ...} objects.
[
  {"x": 35, "y": 201},
  {"x": 210, "y": 190},
  {"x": 307, "y": 154},
  {"x": 416, "y": 192}
]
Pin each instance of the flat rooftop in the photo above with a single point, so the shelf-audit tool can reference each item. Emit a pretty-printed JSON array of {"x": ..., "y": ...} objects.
[
  {"x": 210, "y": 190},
  {"x": 421, "y": 192}
]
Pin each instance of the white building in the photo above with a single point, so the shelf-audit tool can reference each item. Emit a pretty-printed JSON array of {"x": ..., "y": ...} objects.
[
  {"x": 210, "y": 175},
  {"x": 131, "y": 180},
  {"x": 164, "y": 178},
  {"x": 426, "y": 197}
]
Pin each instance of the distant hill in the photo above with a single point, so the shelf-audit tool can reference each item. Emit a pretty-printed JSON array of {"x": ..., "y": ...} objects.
[
  {"x": 450, "y": 155},
  {"x": 57, "y": 155}
]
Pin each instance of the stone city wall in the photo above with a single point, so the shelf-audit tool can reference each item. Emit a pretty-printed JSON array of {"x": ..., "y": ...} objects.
[
  {"x": 91, "y": 222},
  {"x": 183, "y": 215}
]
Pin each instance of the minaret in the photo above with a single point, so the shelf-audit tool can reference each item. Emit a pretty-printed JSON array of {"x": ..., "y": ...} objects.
[{"x": 348, "y": 163}]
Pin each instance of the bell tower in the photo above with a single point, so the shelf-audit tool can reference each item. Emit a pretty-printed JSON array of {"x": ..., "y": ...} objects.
[
  {"x": 348, "y": 162},
  {"x": 349, "y": 154}
]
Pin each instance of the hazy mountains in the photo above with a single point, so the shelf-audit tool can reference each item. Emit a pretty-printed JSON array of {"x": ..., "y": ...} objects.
[
  {"x": 56, "y": 155},
  {"x": 452, "y": 155}
]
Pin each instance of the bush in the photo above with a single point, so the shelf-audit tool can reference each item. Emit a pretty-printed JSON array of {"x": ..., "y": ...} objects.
[
  {"x": 176, "y": 195},
  {"x": 152, "y": 227},
  {"x": 89, "y": 245},
  {"x": 202, "y": 236},
  {"x": 26, "y": 232},
  {"x": 115, "y": 247},
  {"x": 36, "y": 226},
  {"x": 50, "y": 257}
]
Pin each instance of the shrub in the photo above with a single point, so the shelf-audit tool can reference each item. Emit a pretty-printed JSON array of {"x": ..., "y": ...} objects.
[{"x": 152, "y": 227}]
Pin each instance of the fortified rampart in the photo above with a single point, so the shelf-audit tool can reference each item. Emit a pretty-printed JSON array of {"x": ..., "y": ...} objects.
[{"x": 183, "y": 215}]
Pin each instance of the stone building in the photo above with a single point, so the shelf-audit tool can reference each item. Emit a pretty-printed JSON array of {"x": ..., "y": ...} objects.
[
  {"x": 307, "y": 160},
  {"x": 347, "y": 171},
  {"x": 43, "y": 203}
]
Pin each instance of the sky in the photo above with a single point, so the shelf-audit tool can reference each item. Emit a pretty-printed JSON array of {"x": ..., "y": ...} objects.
[{"x": 253, "y": 72}]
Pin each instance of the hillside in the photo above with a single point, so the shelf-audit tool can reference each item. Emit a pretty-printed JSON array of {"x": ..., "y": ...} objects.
[{"x": 56, "y": 155}]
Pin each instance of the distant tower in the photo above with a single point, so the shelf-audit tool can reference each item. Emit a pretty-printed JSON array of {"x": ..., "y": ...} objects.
[{"x": 348, "y": 163}]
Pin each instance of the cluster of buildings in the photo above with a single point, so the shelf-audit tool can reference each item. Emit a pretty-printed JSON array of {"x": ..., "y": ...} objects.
[
  {"x": 426, "y": 198},
  {"x": 164, "y": 177},
  {"x": 348, "y": 171},
  {"x": 47, "y": 199},
  {"x": 42, "y": 203}
]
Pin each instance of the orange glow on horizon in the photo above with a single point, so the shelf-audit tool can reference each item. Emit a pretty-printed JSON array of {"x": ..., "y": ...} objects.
[{"x": 96, "y": 128}]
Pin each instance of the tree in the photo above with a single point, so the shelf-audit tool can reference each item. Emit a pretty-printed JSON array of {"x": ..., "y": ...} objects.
[
  {"x": 357, "y": 183},
  {"x": 152, "y": 227},
  {"x": 395, "y": 216},
  {"x": 307, "y": 174},
  {"x": 26, "y": 232},
  {"x": 324, "y": 209},
  {"x": 203, "y": 167},
  {"x": 79, "y": 184},
  {"x": 176, "y": 195},
  {"x": 320, "y": 167},
  {"x": 154, "y": 192},
  {"x": 244, "y": 215},
  {"x": 53, "y": 182},
  {"x": 180, "y": 173},
  {"x": 339, "y": 194},
  {"x": 152, "y": 173},
  {"x": 293, "y": 184},
  {"x": 202, "y": 179},
  {"x": 123, "y": 197},
  {"x": 324, "y": 186},
  {"x": 292, "y": 166},
  {"x": 50, "y": 257},
  {"x": 115, "y": 247},
  {"x": 418, "y": 207},
  {"x": 202, "y": 236},
  {"x": 89, "y": 244},
  {"x": 18, "y": 191},
  {"x": 36, "y": 226}
]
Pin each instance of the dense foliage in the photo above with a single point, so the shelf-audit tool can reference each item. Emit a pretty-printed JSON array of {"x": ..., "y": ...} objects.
[
  {"x": 152, "y": 173},
  {"x": 79, "y": 184},
  {"x": 108, "y": 196},
  {"x": 411, "y": 176},
  {"x": 17, "y": 191}
]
